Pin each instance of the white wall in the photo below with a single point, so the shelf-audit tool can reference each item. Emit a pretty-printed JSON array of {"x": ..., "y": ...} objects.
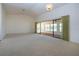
[
  {"x": 75, "y": 25},
  {"x": 2, "y": 22},
  {"x": 19, "y": 24},
  {"x": 0, "y": 19},
  {"x": 70, "y": 9}
]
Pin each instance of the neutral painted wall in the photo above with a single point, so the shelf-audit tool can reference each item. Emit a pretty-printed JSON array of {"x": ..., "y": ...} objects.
[
  {"x": 0, "y": 19},
  {"x": 17, "y": 23},
  {"x": 70, "y": 9},
  {"x": 2, "y": 22}
]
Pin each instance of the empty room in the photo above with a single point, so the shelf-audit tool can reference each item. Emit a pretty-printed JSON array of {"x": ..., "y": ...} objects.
[{"x": 39, "y": 29}]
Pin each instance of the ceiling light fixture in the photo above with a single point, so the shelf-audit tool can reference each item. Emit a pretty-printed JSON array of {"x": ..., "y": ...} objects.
[{"x": 49, "y": 7}]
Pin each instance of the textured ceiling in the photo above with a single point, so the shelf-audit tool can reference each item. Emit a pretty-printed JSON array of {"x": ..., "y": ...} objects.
[{"x": 30, "y": 9}]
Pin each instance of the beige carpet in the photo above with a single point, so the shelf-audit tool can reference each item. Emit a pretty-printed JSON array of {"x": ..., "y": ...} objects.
[{"x": 36, "y": 45}]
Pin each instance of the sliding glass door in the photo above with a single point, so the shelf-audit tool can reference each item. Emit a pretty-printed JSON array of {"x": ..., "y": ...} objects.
[
  {"x": 51, "y": 28},
  {"x": 58, "y": 30}
]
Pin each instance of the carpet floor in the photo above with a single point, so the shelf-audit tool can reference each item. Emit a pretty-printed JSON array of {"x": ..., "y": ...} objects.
[{"x": 36, "y": 45}]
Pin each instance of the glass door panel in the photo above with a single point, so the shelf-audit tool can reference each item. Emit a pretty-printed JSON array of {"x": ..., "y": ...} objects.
[
  {"x": 58, "y": 28},
  {"x": 42, "y": 27},
  {"x": 38, "y": 27},
  {"x": 47, "y": 28}
]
